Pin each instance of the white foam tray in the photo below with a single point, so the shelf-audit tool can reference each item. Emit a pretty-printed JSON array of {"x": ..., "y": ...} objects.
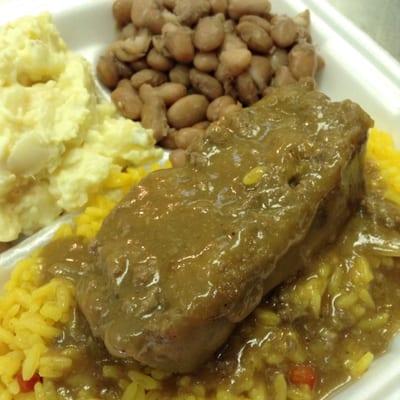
[{"x": 357, "y": 68}]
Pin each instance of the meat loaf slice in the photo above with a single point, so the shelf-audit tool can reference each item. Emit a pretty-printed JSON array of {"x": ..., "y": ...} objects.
[{"x": 191, "y": 251}]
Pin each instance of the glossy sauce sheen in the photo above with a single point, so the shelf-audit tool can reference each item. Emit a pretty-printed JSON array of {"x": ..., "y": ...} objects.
[
  {"x": 247, "y": 358},
  {"x": 190, "y": 252},
  {"x": 243, "y": 359}
]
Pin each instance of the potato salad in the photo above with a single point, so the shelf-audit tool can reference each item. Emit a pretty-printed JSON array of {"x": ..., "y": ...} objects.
[{"x": 58, "y": 140}]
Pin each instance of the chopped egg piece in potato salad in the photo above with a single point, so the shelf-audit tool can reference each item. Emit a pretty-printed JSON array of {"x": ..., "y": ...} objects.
[{"x": 58, "y": 140}]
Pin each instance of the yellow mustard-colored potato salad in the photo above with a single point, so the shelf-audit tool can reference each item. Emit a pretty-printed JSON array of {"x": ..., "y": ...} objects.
[{"x": 58, "y": 140}]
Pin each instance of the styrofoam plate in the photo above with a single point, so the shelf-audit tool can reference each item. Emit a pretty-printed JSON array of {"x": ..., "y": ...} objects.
[{"x": 356, "y": 68}]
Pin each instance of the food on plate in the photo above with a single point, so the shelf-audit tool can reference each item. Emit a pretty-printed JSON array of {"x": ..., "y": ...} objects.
[
  {"x": 264, "y": 266},
  {"x": 216, "y": 49},
  {"x": 312, "y": 334},
  {"x": 190, "y": 252},
  {"x": 58, "y": 141}
]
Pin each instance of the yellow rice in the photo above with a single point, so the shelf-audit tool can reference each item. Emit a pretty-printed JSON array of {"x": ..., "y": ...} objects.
[
  {"x": 31, "y": 314},
  {"x": 382, "y": 151}
]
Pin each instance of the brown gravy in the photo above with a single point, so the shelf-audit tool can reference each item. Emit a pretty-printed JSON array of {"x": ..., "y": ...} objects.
[{"x": 278, "y": 335}]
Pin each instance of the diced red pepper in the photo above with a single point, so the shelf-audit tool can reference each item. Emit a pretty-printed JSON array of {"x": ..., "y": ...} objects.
[
  {"x": 28, "y": 386},
  {"x": 303, "y": 375}
]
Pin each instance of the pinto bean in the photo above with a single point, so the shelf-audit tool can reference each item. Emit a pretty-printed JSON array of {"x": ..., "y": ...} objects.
[
  {"x": 283, "y": 77},
  {"x": 187, "y": 111},
  {"x": 169, "y": 17},
  {"x": 178, "y": 158},
  {"x": 229, "y": 86},
  {"x": 179, "y": 44},
  {"x": 107, "y": 71},
  {"x": 235, "y": 61},
  {"x": 256, "y": 38},
  {"x": 205, "y": 84},
  {"x": 127, "y": 100},
  {"x": 154, "y": 116},
  {"x": 260, "y": 70},
  {"x": 232, "y": 108},
  {"x": 124, "y": 71},
  {"x": 247, "y": 89},
  {"x": 168, "y": 142},
  {"x": 171, "y": 92},
  {"x": 304, "y": 35},
  {"x": 146, "y": 91},
  {"x": 189, "y": 11},
  {"x": 147, "y": 14},
  {"x": 223, "y": 76},
  {"x": 216, "y": 107},
  {"x": 156, "y": 21},
  {"x": 122, "y": 11},
  {"x": 219, "y": 6},
  {"x": 154, "y": 78},
  {"x": 229, "y": 26},
  {"x": 158, "y": 42},
  {"x": 180, "y": 74},
  {"x": 177, "y": 48},
  {"x": 139, "y": 11},
  {"x": 206, "y": 62},
  {"x": 124, "y": 50},
  {"x": 158, "y": 61},
  {"x": 202, "y": 125},
  {"x": 311, "y": 82},
  {"x": 303, "y": 60},
  {"x": 138, "y": 65},
  {"x": 255, "y": 19},
  {"x": 209, "y": 33},
  {"x": 279, "y": 58},
  {"x": 237, "y": 8},
  {"x": 184, "y": 137},
  {"x": 303, "y": 19},
  {"x": 170, "y": 4},
  {"x": 284, "y": 32},
  {"x": 132, "y": 49},
  {"x": 128, "y": 31},
  {"x": 233, "y": 42}
]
